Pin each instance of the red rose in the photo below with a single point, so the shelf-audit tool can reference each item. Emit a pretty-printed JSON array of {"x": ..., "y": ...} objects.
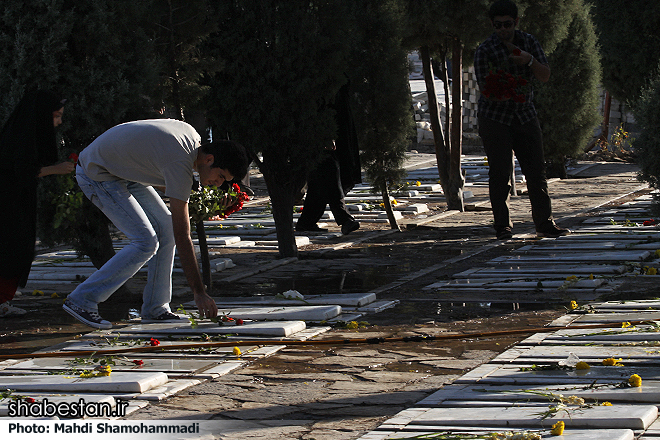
[
  {"x": 73, "y": 157},
  {"x": 239, "y": 321},
  {"x": 517, "y": 52},
  {"x": 30, "y": 400},
  {"x": 649, "y": 222},
  {"x": 154, "y": 342},
  {"x": 139, "y": 362}
]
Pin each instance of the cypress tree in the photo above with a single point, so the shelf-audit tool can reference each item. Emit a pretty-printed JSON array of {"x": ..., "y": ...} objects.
[
  {"x": 629, "y": 37},
  {"x": 283, "y": 63},
  {"x": 383, "y": 94},
  {"x": 567, "y": 104}
]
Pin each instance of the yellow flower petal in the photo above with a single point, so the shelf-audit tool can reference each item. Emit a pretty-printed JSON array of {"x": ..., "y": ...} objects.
[
  {"x": 635, "y": 381},
  {"x": 237, "y": 351},
  {"x": 574, "y": 305},
  {"x": 418, "y": 183},
  {"x": 352, "y": 325},
  {"x": 558, "y": 428},
  {"x": 36, "y": 292},
  {"x": 626, "y": 324},
  {"x": 609, "y": 362},
  {"x": 582, "y": 366},
  {"x": 606, "y": 404}
]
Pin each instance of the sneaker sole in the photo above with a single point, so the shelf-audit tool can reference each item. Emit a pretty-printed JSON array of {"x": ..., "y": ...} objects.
[{"x": 92, "y": 324}]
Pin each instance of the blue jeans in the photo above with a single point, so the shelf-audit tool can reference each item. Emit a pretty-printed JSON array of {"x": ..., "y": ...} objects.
[{"x": 140, "y": 213}]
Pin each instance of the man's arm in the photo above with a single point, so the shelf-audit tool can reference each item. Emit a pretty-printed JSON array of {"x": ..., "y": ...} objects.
[
  {"x": 186, "y": 250},
  {"x": 540, "y": 70}
]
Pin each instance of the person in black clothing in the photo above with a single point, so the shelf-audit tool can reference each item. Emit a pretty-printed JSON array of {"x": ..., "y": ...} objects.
[
  {"x": 336, "y": 174},
  {"x": 28, "y": 150}
]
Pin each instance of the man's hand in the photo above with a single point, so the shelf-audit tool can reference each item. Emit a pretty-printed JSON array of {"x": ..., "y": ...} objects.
[
  {"x": 518, "y": 56},
  {"x": 206, "y": 306},
  {"x": 186, "y": 251}
]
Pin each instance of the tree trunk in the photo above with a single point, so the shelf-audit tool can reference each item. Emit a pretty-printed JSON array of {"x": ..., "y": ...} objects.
[
  {"x": 204, "y": 256},
  {"x": 455, "y": 185},
  {"x": 441, "y": 150},
  {"x": 388, "y": 207}
]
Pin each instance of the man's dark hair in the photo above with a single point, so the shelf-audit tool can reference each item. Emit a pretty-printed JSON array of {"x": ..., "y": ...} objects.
[
  {"x": 228, "y": 155},
  {"x": 503, "y": 7}
]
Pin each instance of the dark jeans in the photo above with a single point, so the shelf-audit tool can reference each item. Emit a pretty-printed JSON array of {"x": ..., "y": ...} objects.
[
  {"x": 324, "y": 188},
  {"x": 526, "y": 141}
]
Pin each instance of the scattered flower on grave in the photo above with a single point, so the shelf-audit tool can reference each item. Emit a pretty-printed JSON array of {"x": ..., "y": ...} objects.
[
  {"x": 237, "y": 351},
  {"x": 650, "y": 222},
  {"x": 394, "y": 202},
  {"x": 239, "y": 321},
  {"x": 352, "y": 325},
  {"x": 573, "y": 400},
  {"x": 582, "y": 366},
  {"x": 30, "y": 399},
  {"x": 612, "y": 362},
  {"x": 418, "y": 183},
  {"x": 626, "y": 324},
  {"x": 571, "y": 278},
  {"x": 138, "y": 362},
  {"x": 606, "y": 404},
  {"x": 558, "y": 428},
  {"x": 154, "y": 342},
  {"x": 651, "y": 271},
  {"x": 54, "y": 295},
  {"x": 36, "y": 292},
  {"x": 101, "y": 370},
  {"x": 635, "y": 381},
  {"x": 574, "y": 305}
]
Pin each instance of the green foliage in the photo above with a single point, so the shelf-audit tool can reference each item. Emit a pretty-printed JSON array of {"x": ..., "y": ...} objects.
[
  {"x": 180, "y": 28},
  {"x": 283, "y": 62},
  {"x": 629, "y": 36},
  {"x": 568, "y": 104},
  {"x": 210, "y": 201},
  {"x": 383, "y": 116},
  {"x": 647, "y": 115}
]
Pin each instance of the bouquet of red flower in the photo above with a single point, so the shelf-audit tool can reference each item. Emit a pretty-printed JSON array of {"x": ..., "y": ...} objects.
[
  {"x": 211, "y": 203},
  {"x": 502, "y": 85}
]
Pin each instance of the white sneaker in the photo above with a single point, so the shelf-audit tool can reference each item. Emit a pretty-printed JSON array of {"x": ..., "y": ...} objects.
[{"x": 7, "y": 310}]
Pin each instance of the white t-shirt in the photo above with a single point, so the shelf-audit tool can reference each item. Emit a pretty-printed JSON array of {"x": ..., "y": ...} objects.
[{"x": 158, "y": 152}]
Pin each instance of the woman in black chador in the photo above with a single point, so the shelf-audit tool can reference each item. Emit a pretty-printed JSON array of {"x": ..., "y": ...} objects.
[{"x": 28, "y": 150}]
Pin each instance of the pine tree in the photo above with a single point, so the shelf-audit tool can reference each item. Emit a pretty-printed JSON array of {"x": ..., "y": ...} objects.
[
  {"x": 567, "y": 105},
  {"x": 647, "y": 145},
  {"x": 95, "y": 54},
  {"x": 629, "y": 37},
  {"x": 448, "y": 29},
  {"x": 283, "y": 64},
  {"x": 380, "y": 71}
]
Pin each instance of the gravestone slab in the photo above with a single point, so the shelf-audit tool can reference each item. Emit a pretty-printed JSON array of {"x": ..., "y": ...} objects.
[
  {"x": 596, "y": 374},
  {"x": 171, "y": 367},
  {"x": 116, "y": 382},
  {"x": 60, "y": 398},
  {"x": 279, "y": 328},
  {"x": 599, "y": 417},
  {"x": 575, "y": 434},
  {"x": 576, "y": 257},
  {"x": 648, "y": 393}
]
